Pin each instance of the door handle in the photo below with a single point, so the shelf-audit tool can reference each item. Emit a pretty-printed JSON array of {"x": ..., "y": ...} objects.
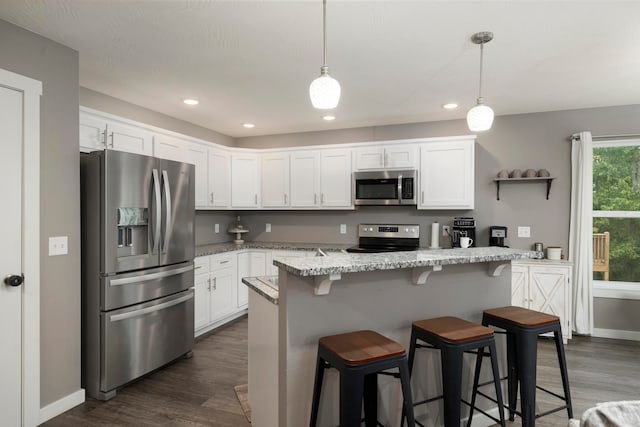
[
  {"x": 168, "y": 220},
  {"x": 14, "y": 280}
]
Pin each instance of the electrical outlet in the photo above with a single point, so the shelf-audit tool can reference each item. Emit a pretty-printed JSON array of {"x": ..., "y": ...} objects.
[
  {"x": 58, "y": 245},
  {"x": 524, "y": 231},
  {"x": 343, "y": 228},
  {"x": 445, "y": 230},
  {"x": 216, "y": 228},
  {"x": 267, "y": 228}
]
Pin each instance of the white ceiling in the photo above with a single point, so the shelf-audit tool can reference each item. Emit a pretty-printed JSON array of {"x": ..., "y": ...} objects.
[{"x": 397, "y": 61}]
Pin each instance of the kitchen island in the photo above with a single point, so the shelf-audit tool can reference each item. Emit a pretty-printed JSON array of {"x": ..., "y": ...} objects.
[{"x": 345, "y": 292}]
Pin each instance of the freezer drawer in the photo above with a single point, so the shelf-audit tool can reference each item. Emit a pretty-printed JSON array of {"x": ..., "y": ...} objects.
[
  {"x": 139, "y": 339},
  {"x": 126, "y": 289}
]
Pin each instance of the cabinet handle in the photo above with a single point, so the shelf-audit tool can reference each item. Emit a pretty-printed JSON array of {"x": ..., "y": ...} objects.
[
  {"x": 386, "y": 159},
  {"x": 104, "y": 138},
  {"x": 315, "y": 199},
  {"x": 322, "y": 198},
  {"x": 215, "y": 285},
  {"x": 198, "y": 267},
  {"x": 209, "y": 283},
  {"x": 212, "y": 197},
  {"x": 255, "y": 197},
  {"x": 112, "y": 137},
  {"x": 285, "y": 199},
  {"x": 224, "y": 262},
  {"x": 422, "y": 197}
]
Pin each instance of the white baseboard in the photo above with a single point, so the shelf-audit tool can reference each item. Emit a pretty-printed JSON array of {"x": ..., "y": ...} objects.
[
  {"x": 616, "y": 333},
  {"x": 62, "y": 405}
]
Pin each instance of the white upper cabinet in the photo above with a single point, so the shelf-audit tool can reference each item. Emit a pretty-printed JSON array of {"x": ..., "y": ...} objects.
[
  {"x": 169, "y": 148},
  {"x": 275, "y": 180},
  {"x": 447, "y": 174},
  {"x": 305, "y": 179},
  {"x": 92, "y": 132},
  {"x": 245, "y": 180},
  {"x": 197, "y": 155},
  {"x": 132, "y": 139},
  {"x": 219, "y": 178},
  {"x": 335, "y": 178},
  {"x": 393, "y": 156}
]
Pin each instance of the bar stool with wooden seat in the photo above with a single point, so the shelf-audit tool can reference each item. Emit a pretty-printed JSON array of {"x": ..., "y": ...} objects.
[
  {"x": 523, "y": 326},
  {"x": 360, "y": 356},
  {"x": 453, "y": 337}
]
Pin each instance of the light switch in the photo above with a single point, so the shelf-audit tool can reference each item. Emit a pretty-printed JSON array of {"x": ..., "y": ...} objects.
[
  {"x": 267, "y": 229},
  {"x": 343, "y": 228},
  {"x": 216, "y": 228},
  {"x": 58, "y": 245},
  {"x": 524, "y": 231}
]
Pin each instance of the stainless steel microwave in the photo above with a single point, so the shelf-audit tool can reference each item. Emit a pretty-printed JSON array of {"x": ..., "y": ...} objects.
[{"x": 388, "y": 187}]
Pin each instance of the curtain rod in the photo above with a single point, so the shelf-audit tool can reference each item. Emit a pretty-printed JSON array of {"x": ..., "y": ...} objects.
[{"x": 621, "y": 136}]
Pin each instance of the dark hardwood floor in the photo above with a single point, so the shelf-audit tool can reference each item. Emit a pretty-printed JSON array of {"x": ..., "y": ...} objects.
[{"x": 199, "y": 391}]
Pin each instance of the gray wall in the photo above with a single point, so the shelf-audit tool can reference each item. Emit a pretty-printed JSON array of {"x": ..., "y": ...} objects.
[
  {"x": 109, "y": 104},
  {"x": 56, "y": 66}
]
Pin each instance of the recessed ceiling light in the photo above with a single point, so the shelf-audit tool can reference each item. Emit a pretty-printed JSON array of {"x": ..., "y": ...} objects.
[
  {"x": 450, "y": 106},
  {"x": 248, "y": 125},
  {"x": 191, "y": 101},
  {"x": 328, "y": 118}
]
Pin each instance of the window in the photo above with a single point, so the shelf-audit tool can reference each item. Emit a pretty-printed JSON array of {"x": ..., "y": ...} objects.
[{"x": 616, "y": 218}]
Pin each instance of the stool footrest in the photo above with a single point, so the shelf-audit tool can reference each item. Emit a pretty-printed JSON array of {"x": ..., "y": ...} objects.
[{"x": 497, "y": 420}]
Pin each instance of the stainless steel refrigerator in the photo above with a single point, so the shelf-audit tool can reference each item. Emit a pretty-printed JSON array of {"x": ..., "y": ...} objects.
[{"x": 138, "y": 247}]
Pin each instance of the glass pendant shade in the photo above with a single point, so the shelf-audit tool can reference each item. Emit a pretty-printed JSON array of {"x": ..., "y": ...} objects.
[
  {"x": 324, "y": 92},
  {"x": 480, "y": 117}
]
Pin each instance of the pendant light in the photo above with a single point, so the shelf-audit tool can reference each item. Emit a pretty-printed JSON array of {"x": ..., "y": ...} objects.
[
  {"x": 325, "y": 90},
  {"x": 480, "y": 117}
]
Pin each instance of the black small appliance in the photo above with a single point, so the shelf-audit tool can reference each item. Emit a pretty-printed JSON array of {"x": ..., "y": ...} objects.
[
  {"x": 497, "y": 234},
  {"x": 463, "y": 227}
]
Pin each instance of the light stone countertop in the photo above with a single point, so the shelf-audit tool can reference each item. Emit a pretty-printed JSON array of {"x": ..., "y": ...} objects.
[
  {"x": 266, "y": 286},
  {"x": 218, "y": 248},
  {"x": 353, "y": 263}
]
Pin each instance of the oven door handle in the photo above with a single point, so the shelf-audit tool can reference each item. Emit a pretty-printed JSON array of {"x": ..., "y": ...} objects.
[{"x": 400, "y": 189}]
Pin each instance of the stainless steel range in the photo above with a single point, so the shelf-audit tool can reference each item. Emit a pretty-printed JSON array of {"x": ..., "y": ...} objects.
[{"x": 374, "y": 238}]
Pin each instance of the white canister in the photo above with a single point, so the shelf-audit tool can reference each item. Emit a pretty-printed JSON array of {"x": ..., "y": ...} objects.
[{"x": 554, "y": 252}]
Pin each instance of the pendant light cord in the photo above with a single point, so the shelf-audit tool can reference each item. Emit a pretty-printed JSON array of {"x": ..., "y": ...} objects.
[
  {"x": 481, "y": 60},
  {"x": 324, "y": 30}
]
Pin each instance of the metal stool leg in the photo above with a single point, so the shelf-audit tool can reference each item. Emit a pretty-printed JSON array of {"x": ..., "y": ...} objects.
[
  {"x": 527, "y": 344},
  {"x": 562, "y": 361},
  {"x": 476, "y": 380},
  {"x": 351, "y": 393},
  {"x": 317, "y": 390},
  {"x": 370, "y": 400},
  {"x": 405, "y": 382},
  {"x": 512, "y": 375},
  {"x": 451, "y": 385},
  {"x": 496, "y": 382}
]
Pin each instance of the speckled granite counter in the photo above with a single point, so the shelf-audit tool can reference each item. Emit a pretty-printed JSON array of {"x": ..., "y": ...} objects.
[
  {"x": 353, "y": 263},
  {"x": 266, "y": 286},
  {"x": 219, "y": 248}
]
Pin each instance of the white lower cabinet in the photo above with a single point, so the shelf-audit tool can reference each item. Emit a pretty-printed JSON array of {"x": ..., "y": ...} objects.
[
  {"x": 545, "y": 286},
  {"x": 216, "y": 282},
  {"x": 251, "y": 263}
]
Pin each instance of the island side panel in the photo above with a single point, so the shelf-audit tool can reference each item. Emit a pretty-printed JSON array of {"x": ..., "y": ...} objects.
[{"x": 383, "y": 301}]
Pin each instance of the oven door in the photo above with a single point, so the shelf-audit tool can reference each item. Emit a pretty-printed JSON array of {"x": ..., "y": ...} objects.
[{"x": 384, "y": 188}]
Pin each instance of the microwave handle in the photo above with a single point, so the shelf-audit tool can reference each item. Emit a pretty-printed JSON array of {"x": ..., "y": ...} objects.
[{"x": 399, "y": 189}]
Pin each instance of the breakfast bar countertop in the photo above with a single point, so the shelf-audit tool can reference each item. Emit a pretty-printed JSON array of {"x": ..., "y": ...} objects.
[
  {"x": 352, "y": 263},
  {"x": 218, "y": 248}
]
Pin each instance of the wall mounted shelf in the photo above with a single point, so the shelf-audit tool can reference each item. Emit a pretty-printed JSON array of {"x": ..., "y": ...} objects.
[{"x": 547, "y": 179}]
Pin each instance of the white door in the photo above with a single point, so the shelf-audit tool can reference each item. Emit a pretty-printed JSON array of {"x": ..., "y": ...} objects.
[{"x": 11, "y": 257}]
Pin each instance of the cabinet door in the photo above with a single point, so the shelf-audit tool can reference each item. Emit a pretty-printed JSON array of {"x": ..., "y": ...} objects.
[
  {"x": 245, "y": 175},
  {"x": 219, "y": 178},
  {"x": 547, "y": 287},
  {"x": 202, "y": 300},
  {"x": 519, "y": 286},
  {"x": 123, "y": 137},
  {"x": 197, "y": 155},
  {"x": 92, "y": 133},
  {"x": 275, "y": 180},
  {"x": 168, "y": 147},
  {"x": 250, "y": 264},
  {"x": 401, "y": 156},
  {"x": 335, "y": 178},
  {"x": 305, "y": 184},
  {"x": 369, "y": 158},
  {"x": 223, "y": 283},
  {"x": 447, "y": 175}
]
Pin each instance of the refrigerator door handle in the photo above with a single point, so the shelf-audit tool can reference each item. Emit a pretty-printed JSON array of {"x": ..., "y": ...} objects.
[
  {"x": 167, "y": 221},
  {"x": 152, "y": 276},
  {"x": 147, "y": 310},
  {"x": 158, "y": 209}
]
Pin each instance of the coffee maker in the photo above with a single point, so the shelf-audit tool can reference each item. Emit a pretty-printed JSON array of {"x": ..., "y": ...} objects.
[
  {"x": 497, "y": 234},
  {"x": 463, "y": 227}
]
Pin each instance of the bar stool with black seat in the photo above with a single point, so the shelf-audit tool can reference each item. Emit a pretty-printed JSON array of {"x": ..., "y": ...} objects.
[
  {"x": 360, "y": 356},
  {"x": 453, "y": 337},
  {"x": 523, "y": 326}
]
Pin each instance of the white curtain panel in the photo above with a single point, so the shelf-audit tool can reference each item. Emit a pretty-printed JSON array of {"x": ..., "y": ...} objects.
[{"x": 581, "y": 230}]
